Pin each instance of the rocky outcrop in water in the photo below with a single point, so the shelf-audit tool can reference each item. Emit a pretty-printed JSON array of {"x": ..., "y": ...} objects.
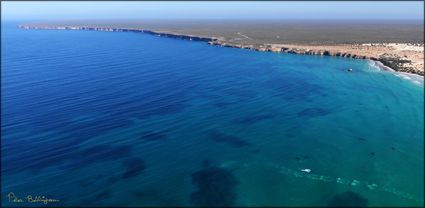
[{"x": 398, "y": 64}]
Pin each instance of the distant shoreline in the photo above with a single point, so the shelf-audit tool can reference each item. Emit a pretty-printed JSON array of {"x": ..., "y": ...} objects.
[{"x": 336, "y": 50}]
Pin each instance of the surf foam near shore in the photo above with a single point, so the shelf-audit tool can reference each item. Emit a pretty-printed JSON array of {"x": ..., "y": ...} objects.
[{"x": 416, "y": 79}]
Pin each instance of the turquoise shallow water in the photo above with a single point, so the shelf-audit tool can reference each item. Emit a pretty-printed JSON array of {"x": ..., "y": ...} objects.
[{"x": 110, "y": 118}]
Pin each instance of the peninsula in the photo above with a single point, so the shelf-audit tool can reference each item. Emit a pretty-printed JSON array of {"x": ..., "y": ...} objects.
[{"x": 398, "y": 45}]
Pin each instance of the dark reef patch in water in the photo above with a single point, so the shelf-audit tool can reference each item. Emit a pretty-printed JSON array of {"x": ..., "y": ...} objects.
[
  {"x": 58, "y": 152},
  {"x": 64, "y": 144},
  {"x": 153, "y": 136},
  {"x": 348, "y": 199},
  {"x": 293, "y": 88},
  {"x": 215, "y": 187},
  {"x": 313, "y": 112},
  {"x": 253, "y": 119},
  {"x": 40, "y": 156},
  {"x": 77, "y": 131},
  {"x": 87, "y": 130},
  {"x": 167, "y": 100},
  {"x": 133, "y": 167},
  {"x": 233, "y": 141}
]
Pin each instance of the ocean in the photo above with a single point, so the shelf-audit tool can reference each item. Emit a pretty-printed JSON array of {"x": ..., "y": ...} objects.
[{"x": 129, "y": 119}]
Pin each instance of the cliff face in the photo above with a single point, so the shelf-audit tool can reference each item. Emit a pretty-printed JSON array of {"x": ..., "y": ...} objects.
[
  {"x": 293, "y": 50},
  {"x": 171, "y": 35},
  {"x": 389, "y": 60},
  {"x": 392, "y": 61}
]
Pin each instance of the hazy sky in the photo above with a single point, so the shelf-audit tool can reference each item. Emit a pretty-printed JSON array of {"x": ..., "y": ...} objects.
[{"x": 209, "y": 10}]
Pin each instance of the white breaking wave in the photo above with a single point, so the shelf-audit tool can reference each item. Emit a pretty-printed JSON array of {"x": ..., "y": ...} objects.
[
  {"x": 414, "y": 78},
  {"x": 328, "y": 179}
]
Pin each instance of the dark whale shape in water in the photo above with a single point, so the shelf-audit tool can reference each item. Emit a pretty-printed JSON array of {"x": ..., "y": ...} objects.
[
  {"x": 233, "y": 141},
  {"x": 133, "y": 167},
  {"x": 99, "y": 153},
  {"x": 111, "y": 180},
  {"x": 223, "y": 104},
  {"x": 215, "y": 187},
  {"x": 153, "y": 136},
  {"x": 103, "y": 195},
  {"x": 348, "y": 199},
  {"x": 313, "y": 112},
  {"x": 362, "y": 139},
  {"x": 253, "y": 119},
  {"x": 288, "y": 87}
]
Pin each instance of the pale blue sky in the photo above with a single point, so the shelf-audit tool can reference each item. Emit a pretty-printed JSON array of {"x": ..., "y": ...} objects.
[{"x": 209, "y": 10}]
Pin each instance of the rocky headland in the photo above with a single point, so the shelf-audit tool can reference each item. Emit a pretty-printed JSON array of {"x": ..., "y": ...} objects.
[{"x": 401, "y": 57}]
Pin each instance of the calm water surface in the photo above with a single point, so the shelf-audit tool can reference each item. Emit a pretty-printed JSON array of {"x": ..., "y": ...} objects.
[{"x": 111, "y": 118}]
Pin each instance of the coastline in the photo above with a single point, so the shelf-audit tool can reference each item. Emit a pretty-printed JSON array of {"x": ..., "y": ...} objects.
[
  {"x": 415, "y": 78},
  {"x": 381, "y": 66},
  {"x": 110, "y": 29},
  {"x": 384, "y": 63}
]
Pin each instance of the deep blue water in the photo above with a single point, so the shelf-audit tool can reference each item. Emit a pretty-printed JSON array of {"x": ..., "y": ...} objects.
[{"x": 114, "y": 118}]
